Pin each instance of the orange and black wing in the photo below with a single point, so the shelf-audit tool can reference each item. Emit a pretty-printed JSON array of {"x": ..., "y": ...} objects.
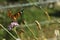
[
  {"x": 9, "y": 13},
  {"x": 17, "y": 15}
]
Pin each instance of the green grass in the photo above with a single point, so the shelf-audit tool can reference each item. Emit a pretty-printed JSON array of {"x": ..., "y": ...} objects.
[{"x": 34, "y": 14}]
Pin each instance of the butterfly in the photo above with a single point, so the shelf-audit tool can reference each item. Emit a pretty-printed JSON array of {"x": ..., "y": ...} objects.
[{"x": 16, "y": 15}]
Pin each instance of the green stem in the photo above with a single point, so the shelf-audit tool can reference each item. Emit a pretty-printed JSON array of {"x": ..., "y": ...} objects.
[
  {"x": 8, "y": 31},
  {"x": 16, "y": 32},
  {"x": 31, "y": 31}
]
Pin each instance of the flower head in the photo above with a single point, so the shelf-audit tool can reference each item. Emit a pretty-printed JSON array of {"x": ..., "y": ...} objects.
[{"x": 12, "y": 25}]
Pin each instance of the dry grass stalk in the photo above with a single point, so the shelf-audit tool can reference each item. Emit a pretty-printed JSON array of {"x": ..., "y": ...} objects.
[
  {"x": 38, "y": 24},
  {"x": 28, "y": 38},
  {"x": 44, "y": 10},
  {"x": 22, "y": 36},
  {"x": 47, "y": 15},
  {"x": 31, "y": 31},
  {"x": 41, "y": 37}
]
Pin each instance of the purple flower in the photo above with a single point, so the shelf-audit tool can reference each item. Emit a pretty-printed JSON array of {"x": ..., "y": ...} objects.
[{"x": 12, "y": 25}]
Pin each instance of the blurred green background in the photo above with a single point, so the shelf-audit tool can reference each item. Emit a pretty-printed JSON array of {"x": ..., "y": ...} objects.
[{"x": 31, "y": 13}]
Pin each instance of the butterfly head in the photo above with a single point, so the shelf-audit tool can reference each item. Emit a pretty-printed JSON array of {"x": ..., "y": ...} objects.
[{"x": 21, "y": 11}]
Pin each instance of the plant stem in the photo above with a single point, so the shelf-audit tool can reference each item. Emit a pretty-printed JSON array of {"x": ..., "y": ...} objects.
[
  {"x": 31, "y": 31},
  {"x": 15, "y": 31},
  {"x": 8, "y": 31}
]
